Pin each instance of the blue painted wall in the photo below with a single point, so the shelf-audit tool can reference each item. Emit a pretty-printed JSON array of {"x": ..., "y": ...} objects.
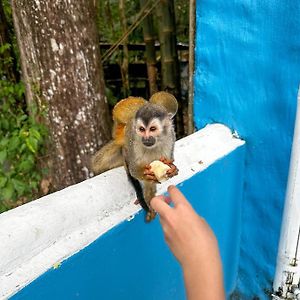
[
  {"x": 247, "y": 75},
  {"x": 132, "y": 261}
]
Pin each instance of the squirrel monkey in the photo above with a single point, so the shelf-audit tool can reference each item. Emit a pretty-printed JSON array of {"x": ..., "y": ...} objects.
[{"x": 142, "y": 133}]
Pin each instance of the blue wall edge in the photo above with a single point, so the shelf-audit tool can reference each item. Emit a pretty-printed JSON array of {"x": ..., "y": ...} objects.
[{"x": 132, "y": 261}]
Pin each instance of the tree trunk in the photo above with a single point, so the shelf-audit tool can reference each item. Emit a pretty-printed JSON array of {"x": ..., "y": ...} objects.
[
  {"x": 61, "y": 67},
  {"x": 169, "y": 58},
  {"x": 149, "y": 39}
]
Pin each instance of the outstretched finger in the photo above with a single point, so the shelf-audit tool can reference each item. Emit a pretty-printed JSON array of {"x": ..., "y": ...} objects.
[
  {"x": 160, "y": 205},
  {"x": 176, "y": 196}
]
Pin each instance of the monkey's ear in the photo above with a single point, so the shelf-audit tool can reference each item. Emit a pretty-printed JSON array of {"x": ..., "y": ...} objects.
[
  {"x": 171, "y": 116},
  {"x": 167, "y": 100},
  {"x": 125, "y": 109}
]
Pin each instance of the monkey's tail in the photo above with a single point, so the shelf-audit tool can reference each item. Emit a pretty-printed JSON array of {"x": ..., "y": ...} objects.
[{"x": 107, "y": 158}]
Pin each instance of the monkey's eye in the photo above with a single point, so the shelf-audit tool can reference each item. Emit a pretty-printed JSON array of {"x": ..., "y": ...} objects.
[
  {"x": 152, "y": 128},
  {"x": 142, "y": 129}
]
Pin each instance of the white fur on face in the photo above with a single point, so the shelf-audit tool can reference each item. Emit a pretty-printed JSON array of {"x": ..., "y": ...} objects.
[{"x": 154, "y": 128}]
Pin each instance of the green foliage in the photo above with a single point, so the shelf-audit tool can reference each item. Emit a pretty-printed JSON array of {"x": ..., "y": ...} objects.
[
  {"x": 109, "y": 24},
  {"x": 10, "y": 27},
  {"x": 110, "y": 27},
  {"x": 182, "y": 21},
  {"x": 7, "y": 10},
  {"x": 21, "y": 141}
]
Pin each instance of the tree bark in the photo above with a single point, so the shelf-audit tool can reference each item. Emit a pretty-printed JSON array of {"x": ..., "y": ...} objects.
[{"x": 61, "y": 67}]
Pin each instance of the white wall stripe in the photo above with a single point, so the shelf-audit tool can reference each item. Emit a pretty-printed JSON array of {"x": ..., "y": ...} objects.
[{"x": 39, "y": 234}]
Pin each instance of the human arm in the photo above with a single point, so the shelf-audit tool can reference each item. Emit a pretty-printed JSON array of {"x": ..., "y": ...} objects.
[{"x": 194, "y": 245}]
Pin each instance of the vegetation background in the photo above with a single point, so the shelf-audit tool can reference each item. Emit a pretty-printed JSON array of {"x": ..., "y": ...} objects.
[{"x": 38, "y": 156}]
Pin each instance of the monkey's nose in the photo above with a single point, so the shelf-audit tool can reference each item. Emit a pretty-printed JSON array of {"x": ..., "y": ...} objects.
[{"x": 150, "y": 141}]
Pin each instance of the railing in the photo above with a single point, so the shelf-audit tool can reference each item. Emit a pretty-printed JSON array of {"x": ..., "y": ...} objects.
[{"x": 68, "y": 244}]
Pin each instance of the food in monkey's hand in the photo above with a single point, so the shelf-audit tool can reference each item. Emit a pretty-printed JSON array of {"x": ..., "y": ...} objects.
[{"x": 160, "y": 170}]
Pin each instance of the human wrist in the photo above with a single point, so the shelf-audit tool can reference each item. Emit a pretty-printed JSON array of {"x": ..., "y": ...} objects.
[
  {"x": 200, "y": 276},
  {"x": 192, "y": 265},
  {"x": 200, "y": 254}
]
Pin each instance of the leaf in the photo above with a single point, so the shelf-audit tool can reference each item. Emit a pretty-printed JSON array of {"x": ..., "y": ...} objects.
[
  {"x": 32, "y": 144},
  {"x": 25, "y": 165},
  {"x": 23, "y": 147},
  {"x": 14, "y": 143},
  {"x": 3, "y": 155},
  {"x": 4, "y": 142},
  {"x": 20, "y": 89},
  {"x": 29, "y": 157},
  {"x": 34, "y": 133},
  {"x": 3, "y": 181},
  {"x": 8, "y": 191},
  {"x": 5, "y": 124},
  {"x": 24, "y": 133},
  {"x": 4, "y": 48},
  {"x": 19, "y": 186},
  {"x": 34, "y": 185},
  {"x": 21, "y": 119}
]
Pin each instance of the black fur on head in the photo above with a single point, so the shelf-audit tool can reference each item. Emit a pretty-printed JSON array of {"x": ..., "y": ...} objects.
[{"x": 150, "y": 111}]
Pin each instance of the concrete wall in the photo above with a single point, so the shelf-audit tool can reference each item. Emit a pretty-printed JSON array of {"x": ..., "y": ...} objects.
[
  {"x": 89, "y": 241},
  {"x": 247, "y": 76}
]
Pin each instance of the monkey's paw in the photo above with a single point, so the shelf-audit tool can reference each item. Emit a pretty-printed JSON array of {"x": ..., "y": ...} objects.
[
  {"x": 173, "y": 171},
  {"x": 149, "y": 174},
  {"x": 150, "y": 215}
]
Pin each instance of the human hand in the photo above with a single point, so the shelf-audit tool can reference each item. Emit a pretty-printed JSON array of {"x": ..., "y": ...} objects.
[
  {"x": 187, "y": 234},
  {"x": 193, "y": 243}
]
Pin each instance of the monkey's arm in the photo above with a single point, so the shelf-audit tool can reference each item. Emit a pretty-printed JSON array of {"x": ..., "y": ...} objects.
[
  {"x": 144, "y": 173},
  {"x": 149, "y": 174},
  {"x": 173, "y": 171},
  {"x": 137, "y": 170}
]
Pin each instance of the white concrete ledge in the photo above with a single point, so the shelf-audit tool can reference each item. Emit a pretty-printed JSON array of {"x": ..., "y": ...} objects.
[{"x": 39, "y": 234}]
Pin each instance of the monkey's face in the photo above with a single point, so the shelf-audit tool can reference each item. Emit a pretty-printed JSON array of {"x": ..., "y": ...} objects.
[
  {"x": 152, "y": 125},
  {"x": 149, "y": 132}
]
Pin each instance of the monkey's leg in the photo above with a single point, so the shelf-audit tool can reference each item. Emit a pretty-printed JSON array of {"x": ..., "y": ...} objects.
[
  {"x": 149, "y": 189},
  {"x": 137, "y": 187},
  {"x": 149, "y": 192},
  {"x": 139, "y": 192}
]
